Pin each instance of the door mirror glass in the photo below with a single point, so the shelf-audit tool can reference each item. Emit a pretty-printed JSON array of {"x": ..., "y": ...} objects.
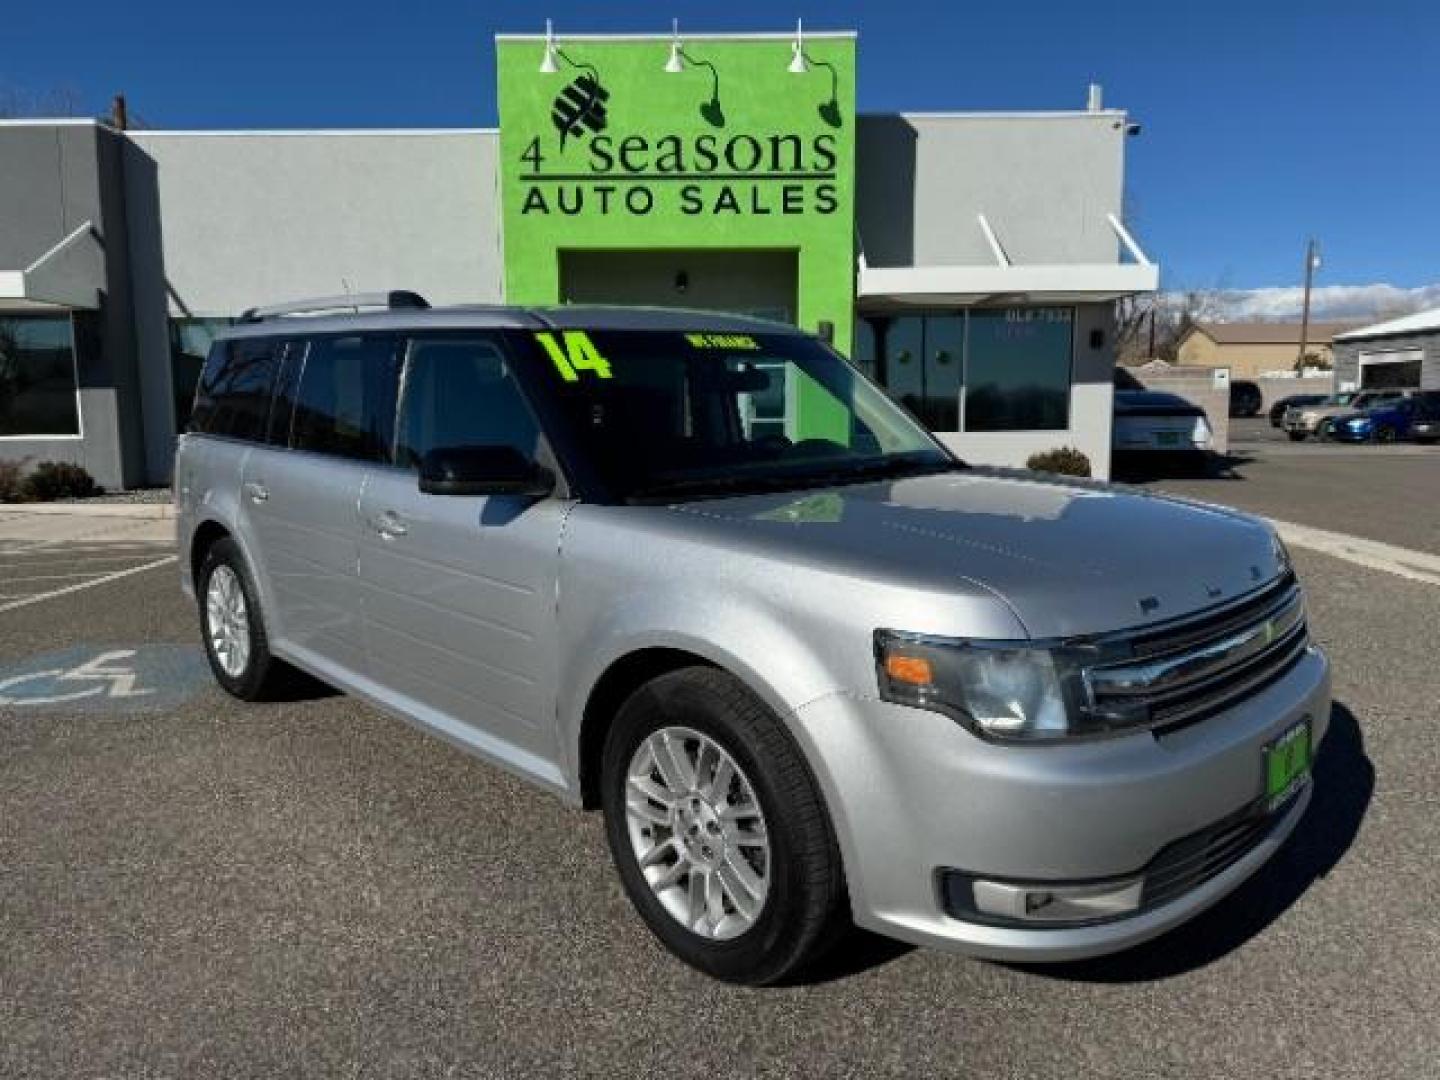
[{"x": 482, "y": 470}]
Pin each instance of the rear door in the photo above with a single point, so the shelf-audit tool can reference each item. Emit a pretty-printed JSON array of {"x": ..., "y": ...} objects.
[
  {"x": 459, "y": 593},
  {"x": 333, "y": 423}
]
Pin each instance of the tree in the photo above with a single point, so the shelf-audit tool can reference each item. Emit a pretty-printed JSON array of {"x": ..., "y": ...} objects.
[{"x": 23, "y": 104}]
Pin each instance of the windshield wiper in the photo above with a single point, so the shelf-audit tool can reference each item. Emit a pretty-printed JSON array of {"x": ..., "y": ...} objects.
[{"x": 666, "y": 490}]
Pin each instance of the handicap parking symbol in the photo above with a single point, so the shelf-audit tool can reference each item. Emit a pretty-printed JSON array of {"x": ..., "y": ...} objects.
[{"x": 145, "y": 678}]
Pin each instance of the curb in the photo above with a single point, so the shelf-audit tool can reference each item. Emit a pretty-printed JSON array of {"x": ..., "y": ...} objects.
[{"x": 128, "y": 511}]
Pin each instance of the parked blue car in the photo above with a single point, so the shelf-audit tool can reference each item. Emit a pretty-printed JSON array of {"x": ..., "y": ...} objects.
[{"x": 1385, "y": 423}]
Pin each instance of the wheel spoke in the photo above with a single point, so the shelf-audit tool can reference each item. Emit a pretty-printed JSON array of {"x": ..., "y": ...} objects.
[
  {"x": 698, "y": 883},
  {"x": 643, "y": 808},
  {"x": 671, "y": 876},
  {"x": 658, "y": 852},
  {"x": 647, "y": 788},
  {"x": 719, "y": 784},
  {"x": 714, "y": 901},
  {"x": 755, "y": 838},
  {"x": 673, "y": 763},
  {"x": 745, "y": 902},
  {"x": 741, "y": 811}
]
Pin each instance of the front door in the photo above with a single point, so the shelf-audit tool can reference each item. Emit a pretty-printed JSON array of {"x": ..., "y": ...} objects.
[{"x": 458, "y": 593}]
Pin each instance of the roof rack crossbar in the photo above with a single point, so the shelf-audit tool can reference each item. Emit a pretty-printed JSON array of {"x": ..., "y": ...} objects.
[{"x": 394, "y": 299}]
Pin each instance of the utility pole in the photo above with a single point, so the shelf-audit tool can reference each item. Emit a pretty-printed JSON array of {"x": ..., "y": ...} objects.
[{"x": 1312, "y": 260}]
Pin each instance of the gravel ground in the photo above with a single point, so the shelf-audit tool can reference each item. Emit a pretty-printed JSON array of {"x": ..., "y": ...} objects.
[{"x": 134, "y": 495}]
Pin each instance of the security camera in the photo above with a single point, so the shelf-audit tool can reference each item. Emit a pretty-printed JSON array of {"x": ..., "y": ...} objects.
[{"x": 1132, "y": 130}]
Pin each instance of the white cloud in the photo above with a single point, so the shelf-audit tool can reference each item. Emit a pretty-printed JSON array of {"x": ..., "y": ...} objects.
[{"x": 1327, "y": 302}]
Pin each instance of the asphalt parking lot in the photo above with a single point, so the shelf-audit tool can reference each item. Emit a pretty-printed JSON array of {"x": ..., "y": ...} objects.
[{"x": 194, "y": 887}]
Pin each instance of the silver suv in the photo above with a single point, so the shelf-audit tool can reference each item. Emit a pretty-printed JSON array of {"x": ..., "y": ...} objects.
[{"x": 695, "y": 571}]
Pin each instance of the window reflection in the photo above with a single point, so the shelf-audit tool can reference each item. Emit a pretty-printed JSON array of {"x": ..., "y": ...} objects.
[
  {"x": 37, "y": 376},
  {"x": 1012, "y": 366}
]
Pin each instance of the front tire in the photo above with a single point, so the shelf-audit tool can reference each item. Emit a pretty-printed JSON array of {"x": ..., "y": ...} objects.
[
  {"x": 1296, "y": 436},
  {"x": 718, "y": 829},
  {"x": 232, "y": 626}
]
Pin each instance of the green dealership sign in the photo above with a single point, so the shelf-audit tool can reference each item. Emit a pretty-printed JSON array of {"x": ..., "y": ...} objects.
[{"x": 733, "y": 151}]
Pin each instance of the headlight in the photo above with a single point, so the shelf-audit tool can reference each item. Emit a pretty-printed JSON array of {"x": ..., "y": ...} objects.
[{"x": 999, "y": 690}]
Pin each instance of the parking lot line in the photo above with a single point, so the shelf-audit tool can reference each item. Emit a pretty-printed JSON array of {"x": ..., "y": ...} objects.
[
  {"x": 68, "y": 589},
  {"x": 1402, "y": 562}
]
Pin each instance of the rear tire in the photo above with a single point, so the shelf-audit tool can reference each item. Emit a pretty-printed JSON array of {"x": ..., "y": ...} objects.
[
  {"x": 703, "y": 716},
  {"x": 232, "y": 626},
  {"x": 1384, "y": 434},
  {"x": 1296, "y": 436}
]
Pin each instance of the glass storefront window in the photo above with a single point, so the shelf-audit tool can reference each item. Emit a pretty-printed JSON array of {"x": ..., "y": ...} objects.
[
  {"x": 37, "y": 376},
  {"x": 189, "y": 345},
  {"x": 1012, "y": 366},
  {"x": 1017, "y": 369}
]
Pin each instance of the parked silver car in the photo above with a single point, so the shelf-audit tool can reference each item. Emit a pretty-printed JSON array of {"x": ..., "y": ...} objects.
[{"x": 696, "y": 571}]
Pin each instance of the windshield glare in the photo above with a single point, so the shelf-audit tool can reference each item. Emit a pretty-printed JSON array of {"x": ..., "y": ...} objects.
[{"x": 647, "y": 413}]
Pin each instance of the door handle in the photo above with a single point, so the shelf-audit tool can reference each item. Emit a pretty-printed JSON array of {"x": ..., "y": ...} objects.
[
  {"x": 389, "y": 525},
  {"x": 257, "y": 491}
]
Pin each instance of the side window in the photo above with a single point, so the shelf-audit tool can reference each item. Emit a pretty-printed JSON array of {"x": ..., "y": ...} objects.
[
  {"x": 345, "y": 404},
  {"x": 202, "y": 411},
  {"x": 233, "y": 397},
  {"x": 460, "y": 392}
]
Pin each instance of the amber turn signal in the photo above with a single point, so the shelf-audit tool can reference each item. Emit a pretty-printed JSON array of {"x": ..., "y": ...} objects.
[{"x": 914, "y": 670}]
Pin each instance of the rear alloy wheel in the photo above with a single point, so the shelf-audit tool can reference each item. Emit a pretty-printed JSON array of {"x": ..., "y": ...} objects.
[
  {"x": 719, "y": 831},
  {"x": 232, "y": 625}
]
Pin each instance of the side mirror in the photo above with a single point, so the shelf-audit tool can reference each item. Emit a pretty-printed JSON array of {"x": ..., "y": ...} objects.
[{"x": 483, "y": 470}]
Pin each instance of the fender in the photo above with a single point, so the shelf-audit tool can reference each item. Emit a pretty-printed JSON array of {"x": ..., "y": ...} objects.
[{"x": 741, "y": 638}]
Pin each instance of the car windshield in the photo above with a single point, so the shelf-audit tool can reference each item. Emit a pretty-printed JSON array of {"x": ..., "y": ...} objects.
[
  {"x": 658, "y": 415},
  {"x": 1341, "y": 400}
]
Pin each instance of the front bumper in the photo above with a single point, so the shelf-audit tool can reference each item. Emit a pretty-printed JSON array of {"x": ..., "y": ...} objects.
[
  {"x": 913, "y": 794},
  {"x": 1345, "y": 434}
]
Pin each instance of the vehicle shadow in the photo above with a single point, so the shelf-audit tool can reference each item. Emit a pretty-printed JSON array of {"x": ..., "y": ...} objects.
[
  {"x": 857, "y": 952},
  {"x": 295, "y": 685},
  {"x": 1344, "y": 781},
  {"x": 1215, "y": 467}
]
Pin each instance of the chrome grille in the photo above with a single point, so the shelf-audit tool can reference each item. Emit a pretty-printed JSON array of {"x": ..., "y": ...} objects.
[{"x": 1176, "y": 675}]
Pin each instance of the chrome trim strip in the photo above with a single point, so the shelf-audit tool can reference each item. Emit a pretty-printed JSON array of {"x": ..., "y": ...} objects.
[
  {"x": 1275, "y": 664},
  {"x": 1166, "y": 675}
]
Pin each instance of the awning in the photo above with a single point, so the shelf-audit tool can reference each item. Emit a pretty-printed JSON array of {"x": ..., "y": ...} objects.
[
  {"x": 70, "y": 274},
  {"x": 1004, "y": 281}
]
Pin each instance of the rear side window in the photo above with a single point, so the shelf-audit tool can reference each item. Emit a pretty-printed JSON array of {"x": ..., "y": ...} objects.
[
  {"x": 236, "y": 386},
  {"x": 345, "y": 404},
  {"x": 460, "y": 392}
]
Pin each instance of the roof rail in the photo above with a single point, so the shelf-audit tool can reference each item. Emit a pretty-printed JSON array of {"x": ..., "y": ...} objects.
[{"x": 394, "y": 299}]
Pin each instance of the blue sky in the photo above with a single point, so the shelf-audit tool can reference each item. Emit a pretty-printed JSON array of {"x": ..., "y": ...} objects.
[{"x": 1263, "y": 122}]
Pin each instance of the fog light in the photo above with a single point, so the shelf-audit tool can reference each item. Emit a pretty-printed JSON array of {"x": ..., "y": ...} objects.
[{"x": 1056, "y": 903}]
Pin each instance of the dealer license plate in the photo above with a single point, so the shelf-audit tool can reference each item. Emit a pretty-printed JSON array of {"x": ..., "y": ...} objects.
[
  {"x": 1167, "y": 438},
  {"x": 1287, "y": 764}
]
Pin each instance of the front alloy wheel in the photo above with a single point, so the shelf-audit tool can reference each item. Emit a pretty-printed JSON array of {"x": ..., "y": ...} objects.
[
  {"x": 718, "y": 829},
  {"x": 698, "y": 832}
]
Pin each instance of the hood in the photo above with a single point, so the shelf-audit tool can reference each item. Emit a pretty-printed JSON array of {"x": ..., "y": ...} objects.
[{"x": 1068, "y": 557}]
